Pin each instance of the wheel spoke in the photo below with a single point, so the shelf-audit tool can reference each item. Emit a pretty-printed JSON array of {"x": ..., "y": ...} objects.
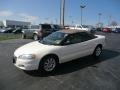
[
  {"x": 49, "y": 64},
  {"x": 98, "y": 51}
]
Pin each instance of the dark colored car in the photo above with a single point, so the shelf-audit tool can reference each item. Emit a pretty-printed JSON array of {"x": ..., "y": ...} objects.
[
  {"x": 98, "y": 29},
  {"x": 106, "y": 30},
  {"x": 117, "y": 30},
  {"x": 58, "y": 27},
  {"x": 17, "y": 31},
  {"x": 2, "y": 30},
  {"x": 8, "y": 30}
]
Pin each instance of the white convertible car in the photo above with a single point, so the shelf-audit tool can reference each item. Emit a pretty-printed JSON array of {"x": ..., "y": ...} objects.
[{"x": 58, "y": 47}]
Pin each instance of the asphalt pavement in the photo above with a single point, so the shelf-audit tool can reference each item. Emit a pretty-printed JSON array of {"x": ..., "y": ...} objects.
[{"x": 81, "y": 74}]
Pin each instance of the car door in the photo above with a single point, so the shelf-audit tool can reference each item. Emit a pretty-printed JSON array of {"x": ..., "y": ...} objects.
[
  {"x": 72, "y": 48},
  {"x": 88, "y": 43},
  {"x": 32, "y": 30}
]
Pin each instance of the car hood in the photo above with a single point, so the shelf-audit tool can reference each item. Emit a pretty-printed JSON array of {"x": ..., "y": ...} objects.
[{"x": 32, "y": 48}]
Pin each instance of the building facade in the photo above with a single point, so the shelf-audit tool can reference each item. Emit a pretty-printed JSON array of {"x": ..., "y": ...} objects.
[{"x": 13, "y": 23}]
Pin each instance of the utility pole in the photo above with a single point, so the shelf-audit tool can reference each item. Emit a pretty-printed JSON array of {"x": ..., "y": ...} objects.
[
  {"x": 82, "y": 7},
  {"x": 56, "y": 21},
  {"x": 46, "y": 20},
  {"x": 71, "y": 19},
  {"x": 109, "y": 21},
  {"x": 99, "y": 18},
  {"x": 62, "y": 10},
  {"x": 72, "y": 22}
]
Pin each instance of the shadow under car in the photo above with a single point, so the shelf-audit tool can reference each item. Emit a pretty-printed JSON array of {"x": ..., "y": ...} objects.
[{"x": 78, "y": 64}]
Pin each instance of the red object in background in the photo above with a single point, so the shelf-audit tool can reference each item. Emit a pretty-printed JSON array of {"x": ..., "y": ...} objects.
[{"x": 106, "y": 30}]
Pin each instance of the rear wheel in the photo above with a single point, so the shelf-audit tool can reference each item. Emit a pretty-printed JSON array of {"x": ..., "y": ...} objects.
[{"x": 97, "y": 52}]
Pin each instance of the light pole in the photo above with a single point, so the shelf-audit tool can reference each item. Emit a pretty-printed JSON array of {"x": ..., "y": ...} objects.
[
  {"x": 71, "y": 19},
  {"x": 99, "y": 18},
  {"x": 46, "y": 20},
  {"x": 62, "y": 10},
  {"x": 82, "y": 7},
  {"x": 56, "y": 20},
  {"x": 109, "y": 21},
  {"x": 72, "y": 22}
]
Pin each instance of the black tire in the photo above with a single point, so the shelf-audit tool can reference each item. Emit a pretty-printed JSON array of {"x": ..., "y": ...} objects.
[
  {"x": 44, "y": 69},
  {"x": 35, "y": 37},
  {"x": 23, "y": 36},
  {"x": 97, "y": 52}
]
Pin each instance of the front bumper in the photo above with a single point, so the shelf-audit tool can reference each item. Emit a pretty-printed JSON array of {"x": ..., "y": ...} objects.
[{"x": 26, "y": 64}]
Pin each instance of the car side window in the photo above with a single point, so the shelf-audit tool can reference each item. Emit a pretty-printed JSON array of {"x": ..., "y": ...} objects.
[
  {"x": 73, "y": 39},
  {"x": 86, "y": 36},
  {"x": 46, "y": 27}
]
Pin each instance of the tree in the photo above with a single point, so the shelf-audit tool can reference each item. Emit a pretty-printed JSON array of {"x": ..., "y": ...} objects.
[{"x": 113, "y": 23}]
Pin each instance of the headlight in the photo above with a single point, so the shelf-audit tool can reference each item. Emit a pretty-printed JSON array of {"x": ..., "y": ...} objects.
[{"x": 27, "y": 56}]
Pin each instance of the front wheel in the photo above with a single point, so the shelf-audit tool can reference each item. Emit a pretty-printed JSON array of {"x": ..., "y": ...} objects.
[
  {"x": 48, "y": 64},
  {"x": 97, "y": 52}
]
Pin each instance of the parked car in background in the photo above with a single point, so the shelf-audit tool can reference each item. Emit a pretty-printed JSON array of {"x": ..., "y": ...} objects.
[
  {"x": 57, "y": 27},
  {"x": 66, "y": 27},
  {"x": 39, "y": 31},
  {"x": 116, "y": 30},
  {"x": 17, "y": 30},
  {"x": 112, "y": 29},
  {"x": 58, "y": 47},
  {"x": 99, "y": 29},
  {"x": 2, "y": 30},
  {"x": 7, "y": 30},
  {"x": 88, "y": 28},
  {"x": 81, "y": 27},
  {"x": 106, "y": 30}
]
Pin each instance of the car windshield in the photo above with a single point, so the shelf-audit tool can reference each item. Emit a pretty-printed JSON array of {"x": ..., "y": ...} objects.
[{"x": 54, "y": 38}]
